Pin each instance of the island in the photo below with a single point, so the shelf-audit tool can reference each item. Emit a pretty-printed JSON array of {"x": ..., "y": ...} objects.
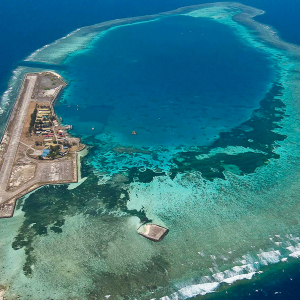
[{"x": 36, "y": 149}]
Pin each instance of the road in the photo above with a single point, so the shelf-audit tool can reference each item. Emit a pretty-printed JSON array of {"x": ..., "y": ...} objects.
[{"x": 10, "y": 155}]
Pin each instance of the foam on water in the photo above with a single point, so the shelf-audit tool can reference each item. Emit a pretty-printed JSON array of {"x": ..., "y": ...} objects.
[
  {"x": 295, "y": 251},
  {"x": 9, "y": 95},
  {"x": 209, "y": 286},
  {"x": 269, "y": 257},
  {"x": 199, "y": 289}
]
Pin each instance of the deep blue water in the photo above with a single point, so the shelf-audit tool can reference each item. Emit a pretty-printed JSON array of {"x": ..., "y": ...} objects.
[
  {"x": 282, "y": 284},
  {"x": 28, "y": 25},
  {"x": 176, "y": 81}
]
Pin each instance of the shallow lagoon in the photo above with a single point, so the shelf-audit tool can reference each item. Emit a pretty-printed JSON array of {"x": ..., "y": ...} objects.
[{"x": 176, "y": 81}]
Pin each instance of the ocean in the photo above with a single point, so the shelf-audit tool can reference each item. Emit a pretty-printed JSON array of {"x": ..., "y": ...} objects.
[
  {"x": 215, "y": 158},
  {"x": 28, "y": 26}
]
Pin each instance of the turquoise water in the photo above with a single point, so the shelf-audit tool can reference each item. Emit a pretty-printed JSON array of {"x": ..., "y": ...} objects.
[
  {"x": 176, "y": 81},
  {"x": 224, "y": 193}
]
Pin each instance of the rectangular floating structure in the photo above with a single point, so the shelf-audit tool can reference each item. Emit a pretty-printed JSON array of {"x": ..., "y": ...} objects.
[{"x": 153, "y": 232}]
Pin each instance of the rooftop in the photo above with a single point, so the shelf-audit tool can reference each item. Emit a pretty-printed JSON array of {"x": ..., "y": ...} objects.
[{"x": 45, "y": 152}]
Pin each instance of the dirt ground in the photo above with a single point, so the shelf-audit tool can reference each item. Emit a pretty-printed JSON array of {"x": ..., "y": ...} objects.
[{"x": 21, "y": 174}]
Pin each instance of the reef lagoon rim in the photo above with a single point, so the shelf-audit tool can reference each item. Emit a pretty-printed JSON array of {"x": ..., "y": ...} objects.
[{"x": 231, "y": 206}]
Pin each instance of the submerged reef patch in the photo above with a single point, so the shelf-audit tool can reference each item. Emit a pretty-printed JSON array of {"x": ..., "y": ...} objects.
[{"x": 262, "y": 137}]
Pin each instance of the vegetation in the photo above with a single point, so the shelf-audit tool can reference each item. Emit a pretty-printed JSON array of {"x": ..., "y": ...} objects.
[
  {"x": 54, "y": 151},
  {"x": 66, "y": 144},
  {"x": 32, "y": 121}
]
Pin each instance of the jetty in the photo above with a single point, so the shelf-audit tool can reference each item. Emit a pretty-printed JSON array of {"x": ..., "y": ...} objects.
[{"x": 35, "y": 149}]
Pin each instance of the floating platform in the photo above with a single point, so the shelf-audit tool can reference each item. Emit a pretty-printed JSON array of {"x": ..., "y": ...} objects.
[{"x": 153, "y": 232}]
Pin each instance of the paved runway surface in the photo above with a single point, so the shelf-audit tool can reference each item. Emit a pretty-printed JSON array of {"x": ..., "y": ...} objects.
[{"x": 10, "y": 155}]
